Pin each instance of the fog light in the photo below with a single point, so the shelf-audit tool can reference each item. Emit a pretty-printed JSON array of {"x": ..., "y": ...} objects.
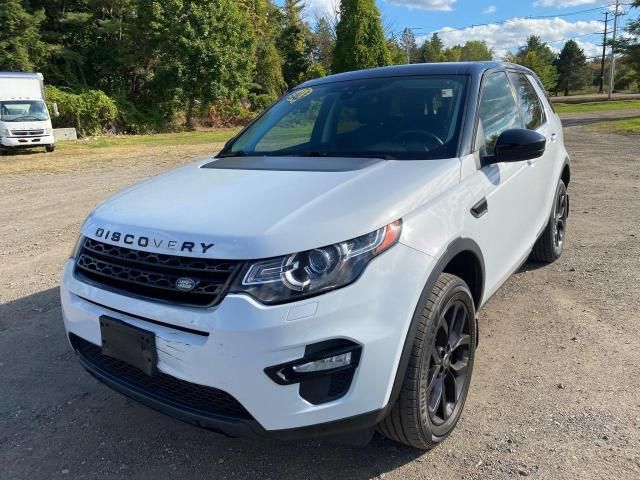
[{"x": 329, "y": 363}]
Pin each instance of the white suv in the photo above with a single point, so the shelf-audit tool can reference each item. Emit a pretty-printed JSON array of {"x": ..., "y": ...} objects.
[{"x": 321, "y": 276}]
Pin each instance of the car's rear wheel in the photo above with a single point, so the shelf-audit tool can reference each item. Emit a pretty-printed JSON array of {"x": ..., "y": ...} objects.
[
  {"x": 439, "y": 372},
  {"x": 549, "y": 246}
]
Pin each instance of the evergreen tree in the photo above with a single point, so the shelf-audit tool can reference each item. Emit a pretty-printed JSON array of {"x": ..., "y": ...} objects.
[
  {"x": 204, "y": 51},
  {"x": 268, "y": 78},
  {"x": 294, "y": 44},
  {"x": 629, "y": 45},
  {"x": 572, "y": 68},
  {"x": 409, "y": 46},
  {"x": 432, "y": 50},
  {"x": 537, "y": 56},
  {"x": 21, "y": 46},
  {"x": 360, "y": 41}
]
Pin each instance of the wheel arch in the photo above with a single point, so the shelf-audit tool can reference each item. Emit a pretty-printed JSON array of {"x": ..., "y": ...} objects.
[
  {"x": 463, "y": 257},
  {"x": 566, "y": 173}
]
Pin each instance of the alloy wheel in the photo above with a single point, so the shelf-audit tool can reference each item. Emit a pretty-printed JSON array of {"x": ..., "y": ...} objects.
[{"x": 449, "y": 362}]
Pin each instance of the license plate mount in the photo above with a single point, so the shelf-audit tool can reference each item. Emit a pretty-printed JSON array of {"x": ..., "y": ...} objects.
[{"x": 129, "y": 344}]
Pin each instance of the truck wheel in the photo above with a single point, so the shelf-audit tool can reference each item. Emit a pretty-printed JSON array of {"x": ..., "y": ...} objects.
[
  {"x": 439, "y": 372},
  {"x": 50, "y": 148},
  {"x": 548, "y": 247}
]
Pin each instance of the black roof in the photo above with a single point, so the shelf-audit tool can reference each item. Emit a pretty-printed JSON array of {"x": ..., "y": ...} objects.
[{"x": 452, "y": 68}]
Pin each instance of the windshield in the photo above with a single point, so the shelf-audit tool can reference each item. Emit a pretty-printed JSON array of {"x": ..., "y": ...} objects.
[
  {"x": 23, "y": 111},
  {"x": 415, "y": 117}
]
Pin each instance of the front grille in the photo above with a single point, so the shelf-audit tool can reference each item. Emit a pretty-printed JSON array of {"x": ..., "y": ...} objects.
[
  {"x": 27, "y": 133},
  {"x": 163, "y": 387},
  {"x": 154, "y": 275}
]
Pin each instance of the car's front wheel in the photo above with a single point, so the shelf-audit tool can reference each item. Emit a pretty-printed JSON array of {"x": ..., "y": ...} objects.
[
  {"x": 437, "y": 378},
  {"x": 50, "y": 148}
]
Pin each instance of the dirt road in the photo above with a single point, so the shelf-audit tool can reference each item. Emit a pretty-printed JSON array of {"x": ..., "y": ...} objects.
[{"x": 556, "y": 387}]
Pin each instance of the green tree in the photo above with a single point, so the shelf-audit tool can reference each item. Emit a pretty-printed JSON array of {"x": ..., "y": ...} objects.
[
  {"x": 204, "y": 51},
  {"x": 294, "y": 44},
  {"x": 453, "y": 54},
  {"x": 409, "y": 46},
  {"x": 433, "y": 50},
  {"x": 325, "y": 42},
  {"x": 572, "y": 68},
  {"x": 630, "y": 47},
  {"x": 268, "y": 78},
  {"x": 475, "y": 51},
  {"x": 360, "y": 41},
  {"x": 537, "y": 56},
  {"x": 21, "y": 46}
]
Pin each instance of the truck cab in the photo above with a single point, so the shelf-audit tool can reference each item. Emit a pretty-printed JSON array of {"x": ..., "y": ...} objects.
[{"x": 24, "y": 118}]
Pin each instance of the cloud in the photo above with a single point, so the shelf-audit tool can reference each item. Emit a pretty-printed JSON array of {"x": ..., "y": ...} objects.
[
  {"x": 488, "y": 10},
  {"x": 320, "y": 7},
  {"x": 564, "y": 3},
  {"x": 513, "y": 33},
  {"x": 441, "y": 5}
]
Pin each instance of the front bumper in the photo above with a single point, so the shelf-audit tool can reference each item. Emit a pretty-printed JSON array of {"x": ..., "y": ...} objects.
[
  {"x": 25, "y": 142},
  {"x": 245, "y": 337}
]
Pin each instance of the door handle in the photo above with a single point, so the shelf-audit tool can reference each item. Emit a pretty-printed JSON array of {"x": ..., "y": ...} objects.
[
  {"x": 480, "y": 208},
  {"x": 553, "y": 138}
]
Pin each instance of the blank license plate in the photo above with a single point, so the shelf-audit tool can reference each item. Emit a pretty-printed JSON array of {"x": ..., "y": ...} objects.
[{"x": 130, "y": 344}]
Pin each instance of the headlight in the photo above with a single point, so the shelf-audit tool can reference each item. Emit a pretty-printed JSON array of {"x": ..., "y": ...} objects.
[
  {"x": 292, "y": 277},
  {"x": 76, "y": 247},
  {"x": 6, "y": 132},
  {"x": 48, "y": 131}
]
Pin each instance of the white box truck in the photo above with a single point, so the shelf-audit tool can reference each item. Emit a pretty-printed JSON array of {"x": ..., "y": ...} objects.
[{"x": 24, "y": 118}]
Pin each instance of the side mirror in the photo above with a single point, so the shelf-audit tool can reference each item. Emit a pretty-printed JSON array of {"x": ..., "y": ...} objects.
[
  {"x": 56, "y": 112},
  {"x": 519, "y": 144}
]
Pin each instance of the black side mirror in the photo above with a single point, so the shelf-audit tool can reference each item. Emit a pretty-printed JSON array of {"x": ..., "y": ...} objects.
[{"x": 519, "y": 144}]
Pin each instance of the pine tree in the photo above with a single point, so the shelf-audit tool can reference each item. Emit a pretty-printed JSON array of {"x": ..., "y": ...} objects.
[
  {"x": 409, "y": 46},
  {"x": 294, "y": 44},
  {"x": 432, "y": 50},
  {"x": 572, "y": 68},
  {"x": 325, "y": 42},
  {"x": 360, "y": 41},
  {"x": 21, "y": 47}
]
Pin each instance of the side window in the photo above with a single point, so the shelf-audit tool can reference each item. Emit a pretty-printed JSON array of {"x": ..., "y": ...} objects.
[
  {"x": 498, "y": 111},
  {"x": 530, "y": 104}
]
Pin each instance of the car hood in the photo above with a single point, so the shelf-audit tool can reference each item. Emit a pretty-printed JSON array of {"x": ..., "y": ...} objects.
[{"x": 247, "y": 213}]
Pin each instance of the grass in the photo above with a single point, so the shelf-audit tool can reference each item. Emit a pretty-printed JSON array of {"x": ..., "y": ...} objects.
[
  {"x": 597, "y": 106},
  {"x": 625, "y": 126},
  {"x": 122, "y": 151},
  {"x": 166, "y": 139}
]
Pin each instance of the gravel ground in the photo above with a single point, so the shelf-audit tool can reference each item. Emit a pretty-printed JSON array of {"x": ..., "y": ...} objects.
[{"x": 555, "y": 387}]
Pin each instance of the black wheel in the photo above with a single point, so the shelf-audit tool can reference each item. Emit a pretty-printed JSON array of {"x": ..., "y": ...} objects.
[
  {"x": 548, "y": 247},
  {"x": 50, "y": 148},
  {"x": 439, "y": 372}
]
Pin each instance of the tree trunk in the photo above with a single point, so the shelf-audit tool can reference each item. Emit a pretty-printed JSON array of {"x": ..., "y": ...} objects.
[
  {"x": 566, "y": 90},
  {"x": 190, "y": 112}
]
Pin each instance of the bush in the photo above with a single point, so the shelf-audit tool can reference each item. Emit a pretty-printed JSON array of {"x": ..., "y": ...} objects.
[
  {"x": 91, "y": 113},
  {"x": 227, "y": 113},
  {"x": 135, "y": 121}
]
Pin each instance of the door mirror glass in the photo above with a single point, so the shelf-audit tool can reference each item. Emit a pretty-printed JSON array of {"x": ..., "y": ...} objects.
[
  {"x": 518, "y": 144},
  {"x": 56, "y": 112}
]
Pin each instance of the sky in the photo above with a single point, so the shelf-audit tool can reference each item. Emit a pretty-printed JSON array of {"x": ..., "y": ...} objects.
[{"x": 555, "y": 21}]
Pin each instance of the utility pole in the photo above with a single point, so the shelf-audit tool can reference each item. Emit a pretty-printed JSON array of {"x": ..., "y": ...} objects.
[
  {"x": 613, "y": 50},
  {"x": 604, "y": 52}
]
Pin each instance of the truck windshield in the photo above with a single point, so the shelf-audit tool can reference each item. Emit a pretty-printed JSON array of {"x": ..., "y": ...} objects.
[
  {"x": 411, "y": 117},
  {"x": 23, "y": 111}
]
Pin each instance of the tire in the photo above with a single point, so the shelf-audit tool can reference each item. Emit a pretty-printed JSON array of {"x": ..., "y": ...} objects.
[
  {"x": 50, "y": 148},
  {"x": 548, "y": 247},
  {"x": 412, "y": 420}
]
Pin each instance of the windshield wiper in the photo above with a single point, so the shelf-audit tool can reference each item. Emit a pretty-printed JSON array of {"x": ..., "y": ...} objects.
[{"x": 383, "y": 156}]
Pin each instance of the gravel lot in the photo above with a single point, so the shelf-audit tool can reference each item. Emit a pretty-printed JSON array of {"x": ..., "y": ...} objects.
[{"x": 555, "y": 390}]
